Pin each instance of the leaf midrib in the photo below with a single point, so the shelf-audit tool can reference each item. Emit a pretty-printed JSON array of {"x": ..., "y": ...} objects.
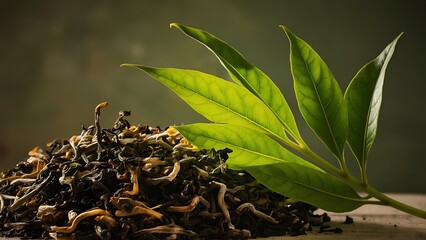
[{"x": 320, "y": 102}]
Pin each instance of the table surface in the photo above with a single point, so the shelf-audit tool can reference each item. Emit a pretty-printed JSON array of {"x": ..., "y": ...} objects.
[{"x": 372, "y": 222}]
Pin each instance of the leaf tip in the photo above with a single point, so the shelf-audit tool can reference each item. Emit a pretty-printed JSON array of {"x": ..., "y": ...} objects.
[
  {"x": 283, "y": 27},
  {"x": 128, "y": 65},
  {"x": 141, "y": 67},
  {"x": 287, "y": 32},
  {"x": 176, "y": 25},
  {"x": 397, "y": 38}
]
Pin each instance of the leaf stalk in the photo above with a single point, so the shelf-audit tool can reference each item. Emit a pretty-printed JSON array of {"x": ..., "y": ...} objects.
[
  {"x": 363, "y": 185},
  {"x": 388, "y": 201},
  {"x": 305, "y": 150}
]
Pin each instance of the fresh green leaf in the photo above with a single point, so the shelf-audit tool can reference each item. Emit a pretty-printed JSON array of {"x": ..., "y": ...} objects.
[
  {"x": 247, "y": 75},
  {"x": 364, "y": 98},
  {"x": 250, "y": 147},
  {"x": 218, "y": 100},
  {"x": 319, "y": 97},
  {"x": 307, "y": 184}
]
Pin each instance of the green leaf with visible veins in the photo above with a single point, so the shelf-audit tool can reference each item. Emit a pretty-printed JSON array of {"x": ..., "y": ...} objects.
[
  {"x": 218, "y": 100},
  {"x": 247, "y": 75},
  {"x": 318, "y": 94},
  {"x": 309, "y": 185},
  {"x": 250, "y": 147},
  {"x": 364, "y": 98}
]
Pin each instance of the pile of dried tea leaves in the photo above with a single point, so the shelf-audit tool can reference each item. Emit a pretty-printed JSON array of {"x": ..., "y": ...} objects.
[{"x": 139, "y": 182}]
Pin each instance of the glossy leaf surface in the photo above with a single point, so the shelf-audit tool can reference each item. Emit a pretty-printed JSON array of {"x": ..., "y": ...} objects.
[
  {"x": 218, "y": 100},
  {"x": 309, "y": 185},
  {"x": 364, "y": 98},
  {"x": 319, "y": 97},
  {"x": 247, "y": 75},
  {"x": 250, "y": 147}
]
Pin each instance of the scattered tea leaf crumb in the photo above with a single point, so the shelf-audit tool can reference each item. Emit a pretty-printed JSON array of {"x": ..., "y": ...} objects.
[{"x": 348, "y": 220}]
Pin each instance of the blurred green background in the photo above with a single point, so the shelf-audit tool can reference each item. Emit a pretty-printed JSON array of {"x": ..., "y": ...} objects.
[{"x": 60, "y": 59}]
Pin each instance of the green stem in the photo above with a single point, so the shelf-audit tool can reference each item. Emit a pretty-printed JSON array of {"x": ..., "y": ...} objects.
[
  {"x": 387, "y": 201},
  {"x": 344, "y": 167},
  {"x": 383, "y": 199},
  {"x": 319, "y": 160},
  {"x": 364, "y": 176},
  {"x": 363, "y": 185}
]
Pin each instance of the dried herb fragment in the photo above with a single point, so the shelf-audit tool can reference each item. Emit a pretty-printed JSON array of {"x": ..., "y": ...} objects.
[
  {"x": 348, "y": 220},
  {"x": 139, "y": 182}
]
